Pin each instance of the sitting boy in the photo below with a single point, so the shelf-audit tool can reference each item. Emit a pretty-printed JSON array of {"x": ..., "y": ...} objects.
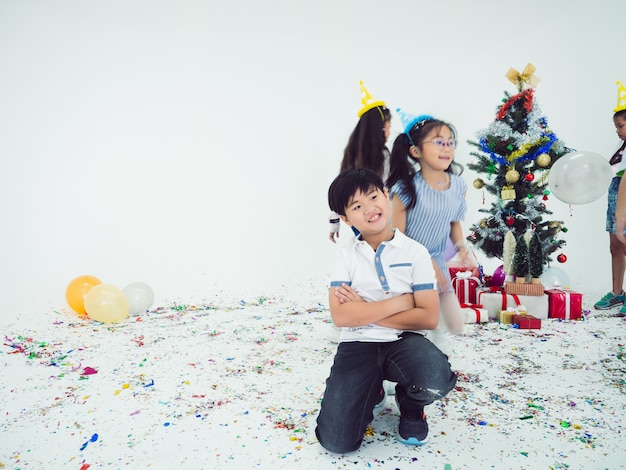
[{"x": 382, "y": 292}]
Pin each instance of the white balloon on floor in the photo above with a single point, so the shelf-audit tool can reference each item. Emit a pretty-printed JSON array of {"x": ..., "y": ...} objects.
[
  {"x": 554, "y": 277},
  {"x": 140, "y": 297}
]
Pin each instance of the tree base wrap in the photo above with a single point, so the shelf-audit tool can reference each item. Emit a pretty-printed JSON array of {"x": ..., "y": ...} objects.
[
  {"x": 494, "y": 299},
  {"x": 527, "y": 322},
  {"x": 465, "y": 286},
  {"x": 565, "y": 304},
  {"x": 474, "y": 313},
  {"x": 523, "y": 288}
]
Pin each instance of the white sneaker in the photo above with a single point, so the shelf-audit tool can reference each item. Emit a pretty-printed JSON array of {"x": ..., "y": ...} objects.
[
  {"x": 439, "y": 338},
  {"x": 389, "y": 387}
]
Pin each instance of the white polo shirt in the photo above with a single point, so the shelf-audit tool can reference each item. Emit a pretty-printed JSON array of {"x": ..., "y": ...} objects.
[{"x": 399, "y": 266}]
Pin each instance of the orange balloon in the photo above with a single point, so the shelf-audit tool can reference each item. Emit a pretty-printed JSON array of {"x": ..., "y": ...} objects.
[{"x": 76, "y": 290}]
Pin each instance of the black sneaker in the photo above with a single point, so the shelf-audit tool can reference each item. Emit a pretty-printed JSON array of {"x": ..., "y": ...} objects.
[{"x": 413, "y": 431}]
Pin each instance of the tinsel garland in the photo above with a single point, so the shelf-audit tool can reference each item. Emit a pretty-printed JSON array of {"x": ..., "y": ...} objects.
[
  {"x": 526, "y": 95},
  {"x": 549, "y": 140}
]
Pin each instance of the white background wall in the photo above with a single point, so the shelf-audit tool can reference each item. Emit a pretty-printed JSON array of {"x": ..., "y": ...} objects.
[{"x": 189, "y": 144}]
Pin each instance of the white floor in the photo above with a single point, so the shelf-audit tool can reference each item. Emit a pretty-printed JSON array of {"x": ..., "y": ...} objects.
[{"x": 237, "y": 383}]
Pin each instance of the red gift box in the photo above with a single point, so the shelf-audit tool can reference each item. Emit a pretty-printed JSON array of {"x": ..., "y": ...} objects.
[
  {"x": 527, "y": 322},
  {"x": 454, "y": 268},
  {"x": 465, "y": 286},
  {"x": 565, "y": 304}
]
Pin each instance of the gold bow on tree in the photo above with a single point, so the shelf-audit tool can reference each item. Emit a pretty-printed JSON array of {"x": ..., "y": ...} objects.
[{"x": 527, "y": 77}]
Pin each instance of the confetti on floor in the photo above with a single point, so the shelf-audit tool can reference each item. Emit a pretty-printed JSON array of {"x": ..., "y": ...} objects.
[{"x": 238, "y": 382}]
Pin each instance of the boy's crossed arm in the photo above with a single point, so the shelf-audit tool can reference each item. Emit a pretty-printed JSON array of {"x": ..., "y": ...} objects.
[{"x": 416, "y": 311}]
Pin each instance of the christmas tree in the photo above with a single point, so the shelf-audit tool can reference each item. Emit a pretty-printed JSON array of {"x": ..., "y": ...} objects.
[{"x": 516, "y": 153}]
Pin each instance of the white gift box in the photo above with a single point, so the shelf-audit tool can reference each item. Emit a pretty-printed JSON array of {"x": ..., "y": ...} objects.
[
  {"x": 494, "y": 301},
  {"x": 475, "y": 313}
]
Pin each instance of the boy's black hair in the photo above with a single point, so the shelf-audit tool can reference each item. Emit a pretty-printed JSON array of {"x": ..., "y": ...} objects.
[{"x": 346, "y": 185}]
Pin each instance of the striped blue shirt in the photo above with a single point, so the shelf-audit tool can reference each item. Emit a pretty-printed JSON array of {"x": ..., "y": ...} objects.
[{"x": 429, "y": 221}]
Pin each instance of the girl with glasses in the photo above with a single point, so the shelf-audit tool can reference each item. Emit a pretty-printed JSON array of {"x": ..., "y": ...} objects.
[{"x": 428, "y": 201}]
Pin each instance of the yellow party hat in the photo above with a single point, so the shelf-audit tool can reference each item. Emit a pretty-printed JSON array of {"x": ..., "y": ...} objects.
[
  {"x": 368, "y": 100},
  {"x": 621, "y": 97}
]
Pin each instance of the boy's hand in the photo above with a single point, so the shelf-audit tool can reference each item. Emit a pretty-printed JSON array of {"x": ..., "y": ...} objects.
[{"x": 345, "y": 293}]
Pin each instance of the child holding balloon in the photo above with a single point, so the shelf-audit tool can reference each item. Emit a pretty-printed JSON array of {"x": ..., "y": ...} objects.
[
  {"x": 428, "y": 202},
  {"x": 616, "y": 213}
]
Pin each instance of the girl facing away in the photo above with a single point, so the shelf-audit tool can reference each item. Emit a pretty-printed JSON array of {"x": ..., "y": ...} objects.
[
  {"x": 367, "y": 145},
  {"x": 428, "y": 201}
]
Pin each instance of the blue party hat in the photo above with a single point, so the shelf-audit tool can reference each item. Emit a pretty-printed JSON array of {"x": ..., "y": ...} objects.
[{"x": 409, "y": 120}]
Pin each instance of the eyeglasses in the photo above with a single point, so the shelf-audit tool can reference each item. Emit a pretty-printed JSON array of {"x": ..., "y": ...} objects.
[{"x": 442, "y": 144}]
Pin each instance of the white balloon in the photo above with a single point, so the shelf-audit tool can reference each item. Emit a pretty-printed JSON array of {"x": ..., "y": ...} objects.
[
  {"x": 554, "y": 277},
  {"x": 140, "y": 297},
  {"x": 580, "y": 177}
]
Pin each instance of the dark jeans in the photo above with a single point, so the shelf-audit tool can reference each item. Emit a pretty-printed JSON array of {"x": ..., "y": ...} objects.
[{"x": 421, "y": 370}]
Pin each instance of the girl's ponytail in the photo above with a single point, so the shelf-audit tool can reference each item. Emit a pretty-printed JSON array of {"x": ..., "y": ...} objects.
[{"x": 401, "y": 169}]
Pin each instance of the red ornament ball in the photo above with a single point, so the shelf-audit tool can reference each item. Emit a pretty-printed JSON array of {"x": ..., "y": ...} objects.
[
  {"x": 561, "y": 258},
  {"x": 529, "y": 177},
  {"x": 510, "y": 220}
]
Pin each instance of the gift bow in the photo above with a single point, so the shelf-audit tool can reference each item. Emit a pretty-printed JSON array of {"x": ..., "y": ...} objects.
[
  {"x": 519, "y": 309},
  {"x": 466, "y": 276},
  {"x": 526, "y": 77}
]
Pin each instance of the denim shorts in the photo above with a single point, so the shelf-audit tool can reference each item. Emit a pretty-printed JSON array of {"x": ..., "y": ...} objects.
[{"x": 612, "y": 204}]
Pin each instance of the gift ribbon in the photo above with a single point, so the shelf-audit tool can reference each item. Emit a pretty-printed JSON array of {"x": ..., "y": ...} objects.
[
  {"x": 494, "y": 289},
  {"x": 465, "y": 277},
  {"x": 474, "y": 307},
  {"x": 527, "y": 76},
  {"x": 567, "y": 302}
]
